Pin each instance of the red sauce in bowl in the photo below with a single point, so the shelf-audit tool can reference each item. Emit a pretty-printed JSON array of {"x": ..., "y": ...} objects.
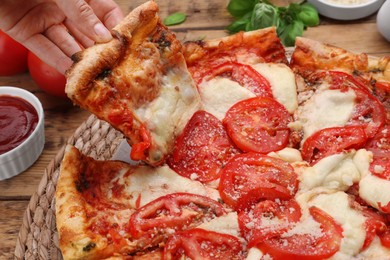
[{"x": 18, "y": 119}]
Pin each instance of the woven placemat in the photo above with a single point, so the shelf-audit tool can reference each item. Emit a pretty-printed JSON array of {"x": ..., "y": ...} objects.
[{"x": 38, "y": 238}]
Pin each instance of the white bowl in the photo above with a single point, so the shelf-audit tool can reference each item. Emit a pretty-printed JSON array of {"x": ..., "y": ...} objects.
[
  {"x": 23, "y": 156},
  {"x": 341, "y": 10}
]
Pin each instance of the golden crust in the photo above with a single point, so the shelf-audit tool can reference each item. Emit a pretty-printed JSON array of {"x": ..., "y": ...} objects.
[
  {"x": 71, "y": 216},
  {"x": 263, "y": 43},
  {"x": 310, "y": 56}
]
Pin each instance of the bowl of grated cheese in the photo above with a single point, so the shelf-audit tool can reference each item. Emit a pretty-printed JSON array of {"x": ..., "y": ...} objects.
[{"x": 346, "y": 9}]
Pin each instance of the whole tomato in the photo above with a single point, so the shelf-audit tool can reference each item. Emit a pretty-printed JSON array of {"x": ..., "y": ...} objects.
[
  {"x": 13, "y": 56},
  {"x": 46, "y": 77}
]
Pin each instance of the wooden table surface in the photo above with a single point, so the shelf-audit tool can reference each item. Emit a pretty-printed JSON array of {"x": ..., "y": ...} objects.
[{"x": 206, "y": 19}]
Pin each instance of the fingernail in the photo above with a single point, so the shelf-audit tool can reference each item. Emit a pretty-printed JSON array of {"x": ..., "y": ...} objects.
[{"x": 102, "y": 32}]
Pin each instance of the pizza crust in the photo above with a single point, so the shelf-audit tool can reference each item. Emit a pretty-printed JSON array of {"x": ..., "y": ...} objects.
[
  {"x": 310, "y": 55},
  {"x": 261, "y": 45},
  {"x": 71, "y": 216}
]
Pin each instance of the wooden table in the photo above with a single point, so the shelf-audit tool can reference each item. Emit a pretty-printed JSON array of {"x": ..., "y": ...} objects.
[{"x": 206, "y": 19}]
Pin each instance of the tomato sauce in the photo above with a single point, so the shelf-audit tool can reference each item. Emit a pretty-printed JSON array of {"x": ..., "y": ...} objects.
[{"x": 18, "y": 119}]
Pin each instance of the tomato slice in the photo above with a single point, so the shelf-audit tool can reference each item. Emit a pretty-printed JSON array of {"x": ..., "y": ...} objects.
[
  {"x": 202, "y": 244},
  {"x": 258, "y": 124},
  {"x": 368, "y": 110},
  {"x": 248, "y": 178},
  {"x": 244, "y": 75},
  {"x": 380, "y": 148},
  {"x": 339, "y": 80},
  {"x": 307, "y": 246},
  {"x": 382, "y": 92},
  {"x": 202, "y": 149},
  {"x": 374, "y": 225},
  {"x": 380, "y": 144},
  {"x": 176, "y": 211},
  {"x": 332, "y": 140},
  {"x": 268, "y": 219},
  {"x": 385, "y": 238}
]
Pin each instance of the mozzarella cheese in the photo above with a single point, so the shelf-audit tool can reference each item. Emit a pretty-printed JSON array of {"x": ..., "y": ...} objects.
[
  {"x": 282, "y": 81},
  {"x": 147, "y": 184},
  {"x": 375, "y": 251},
  {"x": 229, "y": 92},
  {"x": 336, "y": 204},
  {"x": 287, "y": 154},
  {"x": 168, "y": 114},
  {"x": 326, "y": 108},
  {"x": 219, "y": 94},
  {"x": 226, "y": 224},
  {"x": 374, "y": 190},
  {"x": 338, "y": 171}
]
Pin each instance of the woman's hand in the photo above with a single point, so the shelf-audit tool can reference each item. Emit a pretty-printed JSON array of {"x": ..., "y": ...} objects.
[{"x": 56, "y": 29}]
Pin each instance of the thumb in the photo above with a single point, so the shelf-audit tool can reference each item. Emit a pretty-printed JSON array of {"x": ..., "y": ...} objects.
[{"x": 86, "y": 21}]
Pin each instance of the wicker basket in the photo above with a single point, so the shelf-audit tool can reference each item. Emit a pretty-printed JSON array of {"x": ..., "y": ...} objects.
[{"x": 38, "y": 238}]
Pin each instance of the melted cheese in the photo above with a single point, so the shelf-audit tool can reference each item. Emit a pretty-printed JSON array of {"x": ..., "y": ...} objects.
[
  {"x": 336, "y": 204},
  {"x": 167, "y": 115},
  {"x": 255, "y": 254},
  {"x": 374, "y": 190},
  {"x": 282, "y": 81},
  {"x": 147, "y": 184},
  {"x": 226, "y": 224},
  {"x": 338, "y": 171},
  {"x": 375, "y": 251},
  {"x": 287, "y": 154},
  {"x": 326, "y": 108},
  {"x": 219, "y": 94}
]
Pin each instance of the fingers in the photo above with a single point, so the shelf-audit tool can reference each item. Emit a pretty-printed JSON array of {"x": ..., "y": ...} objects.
[
  {"x": 82, "y": 14},
  {"x": 59, "y": 36},
  {"x": 80, "y": 37},
  {"x": 107, "y": 11},
  {"x": 48, "y": 52}
]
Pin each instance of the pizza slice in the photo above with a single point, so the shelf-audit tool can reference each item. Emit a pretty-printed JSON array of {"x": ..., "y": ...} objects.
[
  {"x": 138, "y": 82},
  {"x": 113, "y": 209}
]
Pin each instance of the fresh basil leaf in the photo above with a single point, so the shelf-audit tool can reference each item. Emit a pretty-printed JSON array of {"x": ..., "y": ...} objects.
[
  {"x": 238, "y": 8},
  {"x": 175, "y": 18},
  {"x": 240, "y": 24},
  {"x": 308, "y": 15},
  {"x": 264, "y": 15},
  {"x": 291, "y": 31}
]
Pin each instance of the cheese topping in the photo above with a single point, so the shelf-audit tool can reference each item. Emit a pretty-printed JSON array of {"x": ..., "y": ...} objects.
[
  {"x": 374, "y": 190},
  {"x": 147, "y": 184},
  {"x": 169, "y": 113},
  {"x": 375, "y": 251},
  {"x": 326, "y": 108},
  {"x": 287, "y": 154},
  {"x": 282, "y": 81},
  {"x": 228, "y": 92},
  {"x": 336, "y": 204},
  {"x": 226, "y": 224},
  {"x": 338, "y": 171}
]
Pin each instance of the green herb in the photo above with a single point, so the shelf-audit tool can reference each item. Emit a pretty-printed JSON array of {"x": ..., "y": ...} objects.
[
  {"x": 175, "y": 18},
  {"x": 290, "y": 21}
]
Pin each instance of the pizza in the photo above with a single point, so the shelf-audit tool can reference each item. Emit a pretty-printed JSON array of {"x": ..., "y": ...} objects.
[
  {"x": 133, "y": 83},
  {"x": 262, "y": 154}
]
